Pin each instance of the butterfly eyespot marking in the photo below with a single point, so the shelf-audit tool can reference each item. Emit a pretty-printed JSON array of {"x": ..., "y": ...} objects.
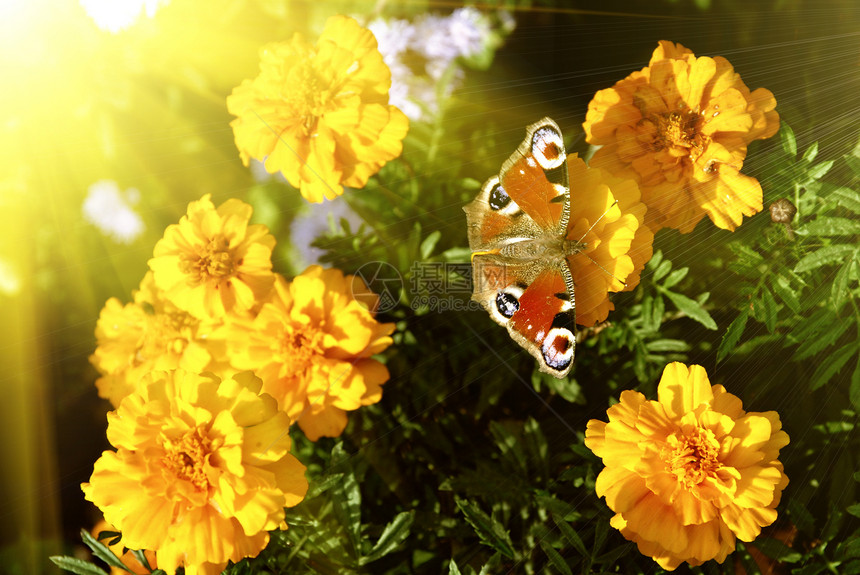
[
  {"x": 501, "y": 202},
  {"x": 557, "y": 349},
  {"x": 548, "y": 148},
  {"x": 507, "y": 302}
]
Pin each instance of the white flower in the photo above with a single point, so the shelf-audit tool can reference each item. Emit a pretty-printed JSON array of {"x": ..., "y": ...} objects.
[
  {"x": 316, "y": 221},
  {"x": 110, "y": 210}
]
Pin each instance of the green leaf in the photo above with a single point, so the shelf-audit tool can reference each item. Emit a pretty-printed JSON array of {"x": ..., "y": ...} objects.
[
  {"x": 662, "y": 270},
  {"x": 667, "y": 346},
  {"x": 509, "y": 444},
  {"x": 536, "y": 447},
  {"x": 453, "y": 569},
  {"x": 782, "y": 288},
  {"x": 787, "y": 139},
  {"x": 429, "y": 244},
  {"x": 854, "y": 391},
  {"x": 612, "y": 557},
  {"x": 847, "y": 198},
  {"x": 692, "y": 309},
  {"x": 830, "y": 226},
  {"x": 820, "y": 339},
  {"x": 818, "y": 170},
  {"x": 102, "y": 551},
  {"x": 766, "y": 308},
  {"x": 489, "y": 530},
  {"x": 78, "y": 566},
  {"x": 571, "y": 535},
  {"x": 801, "y": 517},
  {"x": 346, "y": 499},
  {"x": 839, "y": 289},
  {"x": 393, "y": 535},
  {"x": 810, "y": 153},
  {"x": 555, "y": 558},
  {"x": 854, "y": 509},
  {"x": 675, "y": 277},
  {"x": 824, "y": 256},
  {"x": 832, "y": 364},
  {"x": 778, "y": 550},
  {"x": 733, "y": 334}
]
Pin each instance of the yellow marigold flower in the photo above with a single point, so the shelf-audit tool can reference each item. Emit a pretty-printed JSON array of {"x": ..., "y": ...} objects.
[
  {"x": 617, "y": 246},
  {"x": 201, "y": 471},
  {"x": 681, "y": 127},
  {"x": 312, "y": 345},
  {"x": 213, "y": 262},
  {"x": 320, "y": 114},
  {"x": 128, "y": 558},
  {"x": 148, "y": 335},
  {"x": 689, "y": 473}
]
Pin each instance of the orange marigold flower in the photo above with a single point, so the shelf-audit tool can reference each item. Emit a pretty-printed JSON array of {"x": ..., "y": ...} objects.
[
  {"x": 201, "y": 472},
  {"x": 312, "y": 345},
  {"x": 320, "y": 114},
  {"x": 150, "y": 334},
  {"x": 213, "y": 262},
  {"x": 617, "y": 242},
  {"x": 689, "y": 473},
  {"x": 681, "y": 127}
]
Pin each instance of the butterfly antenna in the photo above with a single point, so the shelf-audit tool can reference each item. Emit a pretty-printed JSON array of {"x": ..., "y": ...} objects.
[
  {"x": 579, "y": 241},
  {"x": 592, "y": 259}
]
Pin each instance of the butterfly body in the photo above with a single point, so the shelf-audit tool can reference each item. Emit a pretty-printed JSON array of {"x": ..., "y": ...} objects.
[{"x": 518, "y": 235}]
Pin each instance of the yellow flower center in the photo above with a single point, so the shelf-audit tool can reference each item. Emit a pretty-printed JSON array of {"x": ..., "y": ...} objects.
[
  {"x": 186, "y": 457},
  {"x": 165, "y": 332},
  {"x": 678, "y": 132},
  {"x": 213, "y": 261},
  {"x": 309, "y": 94},
  {"x": 300, "y": 348},
  {"x": 692, "y": 456}
]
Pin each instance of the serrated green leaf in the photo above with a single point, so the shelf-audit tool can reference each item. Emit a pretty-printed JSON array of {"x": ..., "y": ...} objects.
[
  {"x": 810, "y": 153},
  {"x": 491, "y": 567},
  {"x": 818, "y": 170},
  {"x": 393, "y": 535},
  {"x": 346, "y": 499},
  {"x": 825, "y": 333},
  {"x": 847, "y": 198},
  {"x": 832, "y": 364},
  {"x": 853, "y": 163},
  {"x": 691, "y": 309},
  {"x": 778, "y": 550},
  {"x": 675, "y": 277},
  {"x": 489, "y": 530},
  {"x": 766, "y": 306},
  {"x": 321, "y": 486},
  {"x": 429, "y": 244},
  {"x": 824, "y": 256},
  {"x": 555, "y": 558},
  {"x": 854, "y": 509},
  {"x": 782, "y": 288},
  {"x": 830, "y": 227},
  {"x": 733, "y": 334},
  {"x": 77, "y": 566},
  {"x": 839, "y": 289},
  {"x": 787, "y": 139},
  {"x": 664, "y": 268},
  {"x": 102, "y": 551}
]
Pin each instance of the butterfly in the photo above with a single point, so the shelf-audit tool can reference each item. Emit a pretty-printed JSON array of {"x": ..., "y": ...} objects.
[{"x": 518, "y": 228}]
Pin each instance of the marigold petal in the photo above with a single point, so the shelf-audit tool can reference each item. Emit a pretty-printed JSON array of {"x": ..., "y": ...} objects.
[
  {"x": 327, "y": 422},
  {"x": 682, "y": 389},
  {"x": 652, "y": 520}
]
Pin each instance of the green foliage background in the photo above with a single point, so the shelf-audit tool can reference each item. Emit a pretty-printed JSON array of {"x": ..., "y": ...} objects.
[{"x": 473, "y": 462}]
